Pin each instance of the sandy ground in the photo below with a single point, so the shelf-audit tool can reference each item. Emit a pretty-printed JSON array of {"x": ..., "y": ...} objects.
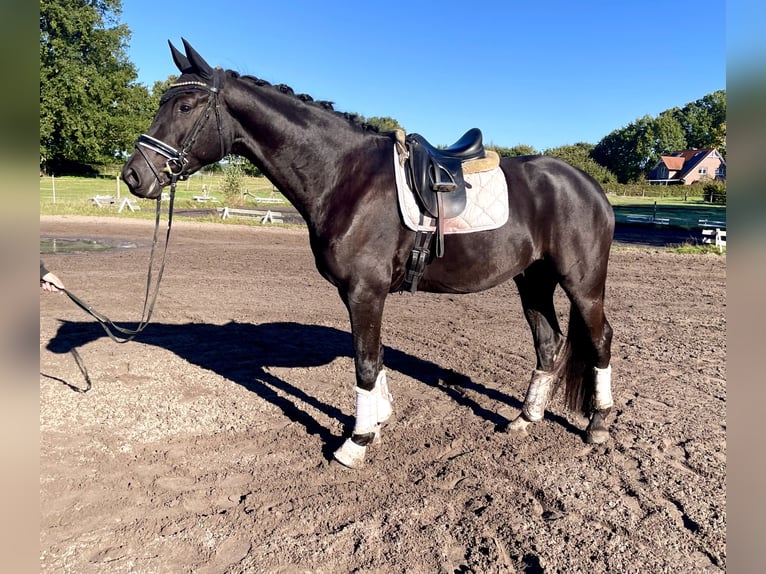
[{"x": 204, "y": 446}]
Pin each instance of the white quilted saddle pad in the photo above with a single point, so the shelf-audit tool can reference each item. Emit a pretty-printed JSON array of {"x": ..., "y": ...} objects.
[{"x": 486, "y": 207}]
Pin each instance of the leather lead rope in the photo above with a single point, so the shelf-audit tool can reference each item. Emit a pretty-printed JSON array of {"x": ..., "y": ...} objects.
[{"x": 108, "y": 325}]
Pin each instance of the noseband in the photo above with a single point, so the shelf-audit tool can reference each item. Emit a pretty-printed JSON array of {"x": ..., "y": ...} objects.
[{"x": 177, "y": 160}]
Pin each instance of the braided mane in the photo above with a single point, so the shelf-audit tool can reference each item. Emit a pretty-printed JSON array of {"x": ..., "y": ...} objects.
[{"x": 353, "y": 118}]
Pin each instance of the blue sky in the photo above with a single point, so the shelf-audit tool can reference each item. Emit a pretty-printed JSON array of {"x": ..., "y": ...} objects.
[{"x": 543, "y": 74}]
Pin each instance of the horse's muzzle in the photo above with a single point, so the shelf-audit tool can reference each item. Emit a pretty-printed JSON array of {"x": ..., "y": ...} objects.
[
  {"x": 146, "y": 185},
  {"x": 136, "y": 171}
]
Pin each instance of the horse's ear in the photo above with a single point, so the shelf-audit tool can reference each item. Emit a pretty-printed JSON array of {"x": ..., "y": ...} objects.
[
  {"x": 199, "y": 65},
  {"x": 181, "y": 61}
]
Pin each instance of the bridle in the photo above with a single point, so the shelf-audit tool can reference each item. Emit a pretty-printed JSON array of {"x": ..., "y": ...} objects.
[
  {"x": 175, "y": 167},
  {"x": 177, "y": 160}
]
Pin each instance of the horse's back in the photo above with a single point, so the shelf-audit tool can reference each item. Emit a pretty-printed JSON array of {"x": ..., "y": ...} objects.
[
  {"x": 556, "y": 201},
  {"x": 556, "y": 212},
  {"x": 548, "y": 181}
]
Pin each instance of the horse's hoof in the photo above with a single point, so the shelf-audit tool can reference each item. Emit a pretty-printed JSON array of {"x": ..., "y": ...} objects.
[
  {"x": 596, "y": 436},
  {"x": 350, "y": 454},
  {"x": 598, "y": 430},
  {"x": 518, "y": 425}
]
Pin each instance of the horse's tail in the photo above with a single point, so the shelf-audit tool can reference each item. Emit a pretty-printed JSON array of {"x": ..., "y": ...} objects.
[{"x": 574, "y": 365}]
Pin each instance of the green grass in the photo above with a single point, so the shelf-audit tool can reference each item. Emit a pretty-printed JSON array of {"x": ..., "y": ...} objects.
[
  {"x": 680, "y": 213},
  {"x": 73, "y": 195},
  {"x": 697, "y": 249}
]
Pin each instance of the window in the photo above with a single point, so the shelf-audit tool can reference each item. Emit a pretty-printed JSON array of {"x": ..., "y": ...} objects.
[{"x": 702, "y": 170}]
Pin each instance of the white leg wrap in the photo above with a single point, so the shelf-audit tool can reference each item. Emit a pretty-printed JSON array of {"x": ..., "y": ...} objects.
[
  {"x": 603, "y": 395},
  {"x": 372, "y": 408},
  {"x": 537, "y": 395},
  {"x": 384, "y": 398},
  {"x": 366, "y": 411}
]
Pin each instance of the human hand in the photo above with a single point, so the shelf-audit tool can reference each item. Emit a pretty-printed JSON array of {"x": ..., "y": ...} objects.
[{"x": 51, "y": 283}]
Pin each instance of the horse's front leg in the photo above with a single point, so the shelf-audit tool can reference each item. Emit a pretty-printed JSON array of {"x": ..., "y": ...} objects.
[{"x": 373, "y": 399}]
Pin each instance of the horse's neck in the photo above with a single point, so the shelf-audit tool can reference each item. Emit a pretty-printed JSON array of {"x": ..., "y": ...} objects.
[{"x": 301, "y": 148}]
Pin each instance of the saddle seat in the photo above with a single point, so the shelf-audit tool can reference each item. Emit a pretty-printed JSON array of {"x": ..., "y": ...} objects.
[
  {"x": 468, "y": 147},
  {"x": 436, "y": 175}
]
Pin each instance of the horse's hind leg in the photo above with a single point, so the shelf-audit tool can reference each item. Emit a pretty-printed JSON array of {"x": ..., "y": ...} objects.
[
  {"x": 591, "y": 341},
  {"x": 536, "y": 286}
]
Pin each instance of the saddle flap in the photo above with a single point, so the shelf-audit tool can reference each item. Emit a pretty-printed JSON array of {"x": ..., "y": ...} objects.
[
  {"x": 435, "y": 179},
  {"x": 448, "y": 184}
]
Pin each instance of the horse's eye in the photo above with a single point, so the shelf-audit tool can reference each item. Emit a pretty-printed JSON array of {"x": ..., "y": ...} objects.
[{"x": 185, "y": 108}]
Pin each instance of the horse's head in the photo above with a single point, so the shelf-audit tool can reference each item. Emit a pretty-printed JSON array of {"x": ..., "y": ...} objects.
[{"x": 186, "y": 133}]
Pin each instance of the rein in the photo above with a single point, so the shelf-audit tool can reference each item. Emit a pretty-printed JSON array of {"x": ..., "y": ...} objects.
[{"x": 108, "y": 325}]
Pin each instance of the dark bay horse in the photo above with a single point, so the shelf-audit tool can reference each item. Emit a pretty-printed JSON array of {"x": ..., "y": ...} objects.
[{"x": 339, "y": 174}]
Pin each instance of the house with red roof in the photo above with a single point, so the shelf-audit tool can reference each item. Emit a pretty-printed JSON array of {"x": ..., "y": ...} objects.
[{"x": 688, "y": 166}]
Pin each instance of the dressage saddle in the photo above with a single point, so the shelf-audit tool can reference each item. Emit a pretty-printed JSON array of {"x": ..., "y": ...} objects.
[
  {"x": 436, "y": 175},
  {"x": 436, "y": 178}
]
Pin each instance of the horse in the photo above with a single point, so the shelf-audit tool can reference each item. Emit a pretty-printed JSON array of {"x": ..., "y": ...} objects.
[{"x": 338, "y": 173}]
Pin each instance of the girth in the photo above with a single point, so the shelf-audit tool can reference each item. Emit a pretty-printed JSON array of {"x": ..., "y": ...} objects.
[{"x": 436, "y": 178}]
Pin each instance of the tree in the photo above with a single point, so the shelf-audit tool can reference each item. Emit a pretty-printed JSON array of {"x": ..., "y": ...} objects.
[
  {"x": 618, "y": 152},
  {"x": 514, "y": 151},
  {"x": 159, "y": 88},
  {"x": 233, "y": 176},
  {"x": 90, "y": 104},
  {"x": 630, "y": 152},
  {"x": 384, "y": 124},
  {"x": 666, "y": 135},
  {"x": 714, "y": 191},
  {"x": 704, "y": 122},
  {"x": 578, "y": 155}
]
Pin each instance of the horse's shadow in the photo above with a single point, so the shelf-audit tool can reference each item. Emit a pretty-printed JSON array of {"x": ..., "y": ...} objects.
[{"x": 244, "y": 353}]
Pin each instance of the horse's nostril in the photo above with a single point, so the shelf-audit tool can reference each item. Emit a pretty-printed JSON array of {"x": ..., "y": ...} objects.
[{"x": 130, "y": 177}]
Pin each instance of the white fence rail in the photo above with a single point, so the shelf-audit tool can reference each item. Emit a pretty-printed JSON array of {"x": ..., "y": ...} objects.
[
  {"x": 715, "y": 237},
  {"x": 267, "y": 216}
]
